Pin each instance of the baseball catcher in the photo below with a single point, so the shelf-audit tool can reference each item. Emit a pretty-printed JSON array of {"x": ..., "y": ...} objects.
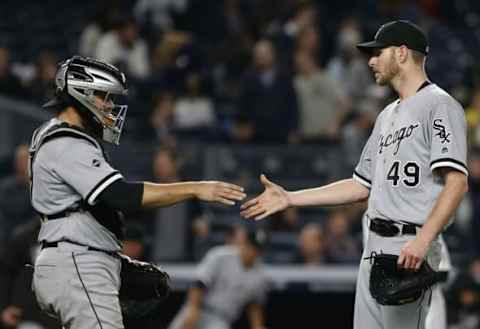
[{"x": 80, "y": 197}]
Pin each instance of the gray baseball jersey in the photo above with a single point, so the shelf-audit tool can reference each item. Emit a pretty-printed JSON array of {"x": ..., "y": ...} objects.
[
  {"x": 410, "y": 139},
  {"x": 229, "y": 285},
  {"x": 68, "y": 173}
]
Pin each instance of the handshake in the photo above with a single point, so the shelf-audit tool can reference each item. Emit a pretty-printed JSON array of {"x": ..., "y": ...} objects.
[{"x": 275, "y": 198}]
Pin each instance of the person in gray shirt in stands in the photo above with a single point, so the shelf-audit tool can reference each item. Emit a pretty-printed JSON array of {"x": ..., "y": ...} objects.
[
  {"x": 228, "y": 279},
  {"x": 79, "y": 195}
]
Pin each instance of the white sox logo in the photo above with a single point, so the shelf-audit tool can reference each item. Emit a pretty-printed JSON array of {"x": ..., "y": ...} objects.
[
  {"x": 396, "y": 138},
  {"x": 442, "y": 132}
]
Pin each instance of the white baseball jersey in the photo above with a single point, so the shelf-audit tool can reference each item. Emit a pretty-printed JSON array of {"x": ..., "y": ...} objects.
[
  {"x": 410, "y": 139},
  {"x": 230, "y": 286},
  {"x": 68, "y": 173}
]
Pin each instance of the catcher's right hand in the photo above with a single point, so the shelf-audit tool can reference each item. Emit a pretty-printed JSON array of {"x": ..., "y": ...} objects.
[
  {"x": 272, "y": 200},
  {"x": 221, "y": 192}
]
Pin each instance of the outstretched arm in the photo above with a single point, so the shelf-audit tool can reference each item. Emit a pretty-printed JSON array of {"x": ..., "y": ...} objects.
[
  {"x": 158, "y": 195},
  {"x": 128, "y": 196},
  {"x": 275, "y": 198}
]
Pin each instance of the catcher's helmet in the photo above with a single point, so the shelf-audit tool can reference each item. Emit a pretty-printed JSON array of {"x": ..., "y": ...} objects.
[{"x": 92, "y": 87}]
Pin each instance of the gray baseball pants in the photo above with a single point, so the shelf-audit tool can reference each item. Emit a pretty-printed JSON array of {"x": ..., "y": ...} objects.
[{"x": 79, "y": 287}]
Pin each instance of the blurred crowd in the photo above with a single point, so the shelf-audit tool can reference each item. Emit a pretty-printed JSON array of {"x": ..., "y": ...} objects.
[{"x": 254, "y": 72}]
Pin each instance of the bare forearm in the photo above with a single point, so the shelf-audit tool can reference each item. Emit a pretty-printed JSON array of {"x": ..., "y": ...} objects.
[
  {"x": 255, "y": 316},
  {"x": 158, "y": 195},
  {"x": 342, "y": 192},
  {"x": 455, "y": 187},
  {"x": 194, "y": 302}
]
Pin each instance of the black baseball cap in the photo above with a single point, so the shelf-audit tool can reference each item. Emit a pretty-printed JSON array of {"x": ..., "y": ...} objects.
[{"x": 397, "y": 33}]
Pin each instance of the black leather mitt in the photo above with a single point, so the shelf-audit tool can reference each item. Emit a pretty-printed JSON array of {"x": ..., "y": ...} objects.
[{"x": 392, "y": 286}]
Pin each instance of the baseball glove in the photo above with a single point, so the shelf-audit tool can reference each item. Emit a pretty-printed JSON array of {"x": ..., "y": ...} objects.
[
  {"x": 142, "y": 281},
  {"x": 392, "y": 286},
  {"x": 143, "y": 287}
]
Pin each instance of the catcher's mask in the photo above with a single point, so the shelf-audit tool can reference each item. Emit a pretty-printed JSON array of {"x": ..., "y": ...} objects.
[{"x": 96, "y": 88}]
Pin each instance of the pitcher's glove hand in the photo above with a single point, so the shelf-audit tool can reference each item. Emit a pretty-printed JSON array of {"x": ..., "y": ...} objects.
[{"x": 390, "y": 285}]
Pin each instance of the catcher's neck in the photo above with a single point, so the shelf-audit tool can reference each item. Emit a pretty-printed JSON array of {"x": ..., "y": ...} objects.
[{"x": 71, "y": 116}]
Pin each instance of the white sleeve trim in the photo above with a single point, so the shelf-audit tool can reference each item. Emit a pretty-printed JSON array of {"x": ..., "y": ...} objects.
[
  {"x": 361, "y": 181},
  {"x": 101, "y": 187},
  {"x": 449, "y": 164}
]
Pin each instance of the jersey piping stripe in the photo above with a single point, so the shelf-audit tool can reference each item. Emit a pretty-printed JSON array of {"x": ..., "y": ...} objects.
[
  {"x": 451, "y": 165},
  {"x": 362, "y": 180},
  {"x": 102, "y": 185},
  {"x": 448, "y": 162}
]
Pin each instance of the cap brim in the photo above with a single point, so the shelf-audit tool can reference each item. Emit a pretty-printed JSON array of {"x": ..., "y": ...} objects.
[
  {"x": 53, "y": 103},
  {"x": 368, "y": 47}
]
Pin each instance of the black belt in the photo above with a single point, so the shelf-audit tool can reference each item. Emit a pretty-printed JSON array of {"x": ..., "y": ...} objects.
[
  {"x": 388, "y": 229},
  {"x": 46, "y": 244},
  {"x": 61, "y": 214}
]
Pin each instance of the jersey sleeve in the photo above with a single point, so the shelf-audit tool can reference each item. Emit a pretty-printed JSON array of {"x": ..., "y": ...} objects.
[
  {"x": 84, "y": 167},
  {"x": 208, "y": 268},
  {"x": 447, "y": 130},
  {"x": 363, "y": 170}
]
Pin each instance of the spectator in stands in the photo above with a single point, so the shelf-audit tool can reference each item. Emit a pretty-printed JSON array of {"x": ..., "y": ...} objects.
[
  {"x": 348, "y": 66},
  {"x": 10, "y": 84},
  {"x": 194, "y": 114},
  {"x": 15, "y": 208},
  {"x": 101, "y": 22},
  {"x": 308, "y": 41},
  {"x": 288, "y": 221},
  {"x": 161, "y": 119},
  {"x": 322, "y": 103},
  {"x": 342, "y": 247},
  {"x": 166, "y": 51},
  {"x": 42, "y": 86},
  {"x": 159, "y": 13},
  {"x": 464, "y": 301},
  {"x": 267, "y": 104},
  {"x": 171, "y": 61},
  {"x": 355, "y": 132},
  {"x": 312, "y": 246},
  {"x": 473, "y": 118},
  {"x": 285, "y": 34},
  {"x": 201, "y": 241},
  {"x": 124, "y": 48},
  {"x": 170, "y": 241}
]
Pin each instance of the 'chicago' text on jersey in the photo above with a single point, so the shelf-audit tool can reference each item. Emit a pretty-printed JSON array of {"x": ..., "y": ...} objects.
[{"x": 396, "y": 137}]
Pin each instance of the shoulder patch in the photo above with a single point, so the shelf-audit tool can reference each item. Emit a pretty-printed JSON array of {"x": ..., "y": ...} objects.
[{"x": 442, "y": 132}]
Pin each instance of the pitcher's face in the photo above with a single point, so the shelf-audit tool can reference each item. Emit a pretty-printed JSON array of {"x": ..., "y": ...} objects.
[{"x": 384, "y": 66}]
